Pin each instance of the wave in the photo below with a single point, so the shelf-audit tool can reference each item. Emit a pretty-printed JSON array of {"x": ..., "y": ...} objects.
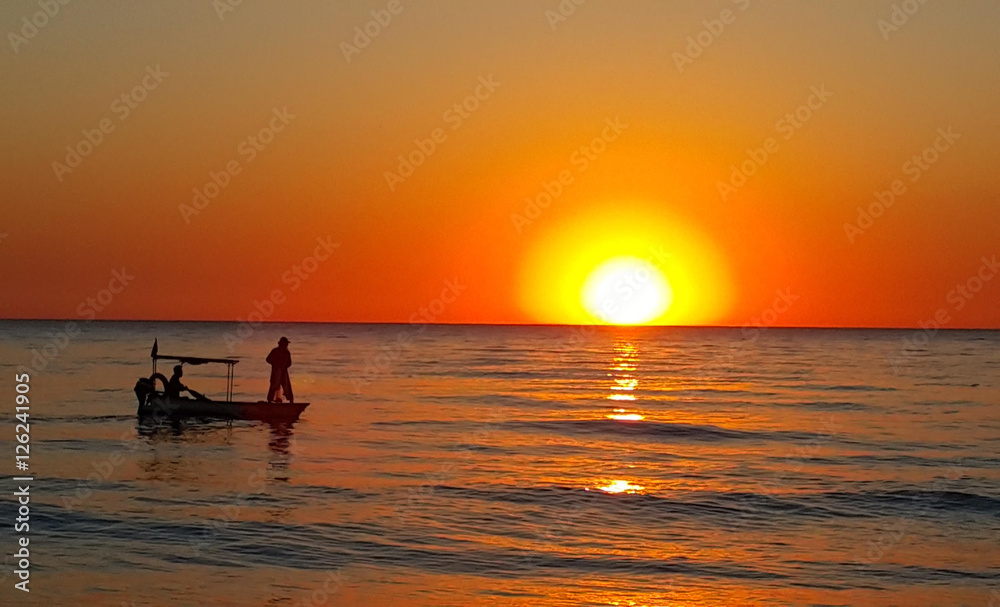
[
  {"x": 660, "y": 430},
  {"x": 737, "y": 508},
  {"x": 826, "y": 405},
  {"x": 324, "y": 546},
  {"x": 605, "y": 427},
  {"x": 843, "y": 388},
  {"x": 83, "y": 419}
]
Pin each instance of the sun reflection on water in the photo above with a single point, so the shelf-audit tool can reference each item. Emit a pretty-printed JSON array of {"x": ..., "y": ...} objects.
[
  {"x": 624, "y": 380},
  {"x": 625, "y": 416},
  {"x": 622, "y": 371},
  {"x": 621, "y": 486}
]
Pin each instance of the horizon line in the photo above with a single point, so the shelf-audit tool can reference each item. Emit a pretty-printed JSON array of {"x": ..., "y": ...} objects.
[{"x": 506, "y": 324}]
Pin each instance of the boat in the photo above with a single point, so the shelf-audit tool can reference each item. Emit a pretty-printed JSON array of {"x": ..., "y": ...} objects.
[{"x": 154, "y": 403}]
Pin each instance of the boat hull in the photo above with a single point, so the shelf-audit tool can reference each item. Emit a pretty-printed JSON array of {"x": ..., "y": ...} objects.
[{"x": 163, "y": 406}]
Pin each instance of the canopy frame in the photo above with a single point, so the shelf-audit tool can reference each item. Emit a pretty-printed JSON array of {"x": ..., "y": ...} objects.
[{"x": 196, "y": 360}]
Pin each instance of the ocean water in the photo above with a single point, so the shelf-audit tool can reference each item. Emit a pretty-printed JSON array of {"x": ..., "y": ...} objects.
[{"x": 545, "y": 466}]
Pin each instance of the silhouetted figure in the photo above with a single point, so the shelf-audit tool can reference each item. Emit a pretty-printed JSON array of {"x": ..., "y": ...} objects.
[
  {"x": 280, "y": 359},
  {"x": 174, "y": 386}
]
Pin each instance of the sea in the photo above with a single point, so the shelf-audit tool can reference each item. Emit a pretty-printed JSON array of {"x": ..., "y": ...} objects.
[{"x": 510, "y": 465}]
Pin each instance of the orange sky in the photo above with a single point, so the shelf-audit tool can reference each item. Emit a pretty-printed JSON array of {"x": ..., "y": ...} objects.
[{"x": 546, "y": 88}]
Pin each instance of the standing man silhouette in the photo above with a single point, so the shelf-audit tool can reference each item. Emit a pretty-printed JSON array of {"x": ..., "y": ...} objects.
[{"x": 280, "y": 359}]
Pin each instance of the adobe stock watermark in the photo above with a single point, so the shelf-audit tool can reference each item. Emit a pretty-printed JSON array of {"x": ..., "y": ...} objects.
[
  {"x": 88, "y": 310},
  {"x": 899, "y": 17},
  {"x": 752, "y": 331},
  {"x": 122, "y": 108},
  {"x": 786, "y": 126},
  {"x": 563, "y": 11},
  {"x": 797, "y": 457},
  {"x": 294, "y": 277},
  {"x": 390, "y": 352},
  {"x": 455, "y": 117},
  {"x": 30, "y": 26},
  {"x": 366, "y": 33},
  {"x": 106, "y": 467},
  {"x": 416, "y": 497},
  {"x": 582, "y": 334},
  {"x": 914, "y": 168},
  {"x": 959, "y": 297},
  {"x": 616, "y": 295},
  {"x": 222, "y": 7},
  {"x": 783, "y": 302},
  {"x": 256, "y": 482},
  {"x": 580, "y": 160},
  {"x": 714, "y": 28},
  {"x": 891, "y": 535},
  {"x": 249, "y": 148},
  {"x": 334, "y": 581}
]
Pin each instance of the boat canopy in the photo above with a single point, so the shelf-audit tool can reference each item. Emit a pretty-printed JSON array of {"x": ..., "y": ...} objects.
[
  {"x": 188, "y": 360},
  {"x": 196, "y": 360},
  {"x": 193, "y": 360}
]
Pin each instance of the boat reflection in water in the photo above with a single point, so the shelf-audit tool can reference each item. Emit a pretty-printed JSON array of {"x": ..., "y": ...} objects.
[{"x": 167, "y": 441}]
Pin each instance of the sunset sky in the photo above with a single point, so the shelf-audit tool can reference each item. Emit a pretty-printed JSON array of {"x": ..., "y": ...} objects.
[{"x": 618, "y": 118}]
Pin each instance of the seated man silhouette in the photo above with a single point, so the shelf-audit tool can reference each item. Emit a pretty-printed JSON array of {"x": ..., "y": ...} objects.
[{"x": 175, "y": 387}]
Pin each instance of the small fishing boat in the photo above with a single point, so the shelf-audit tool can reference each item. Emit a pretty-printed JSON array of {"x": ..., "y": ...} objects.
[{"x": 155, "y": 403}]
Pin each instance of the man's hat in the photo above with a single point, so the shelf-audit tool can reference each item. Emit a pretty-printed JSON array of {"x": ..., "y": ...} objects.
[{"x": 284, "y": 340}]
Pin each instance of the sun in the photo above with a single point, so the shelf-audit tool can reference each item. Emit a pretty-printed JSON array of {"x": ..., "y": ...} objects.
[
  {"x": 631, "y": 263},
  {"x": 626, "y": 290}
]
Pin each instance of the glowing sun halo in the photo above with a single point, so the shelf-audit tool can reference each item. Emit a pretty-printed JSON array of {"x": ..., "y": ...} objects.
[
  {"x": 626, "y": 291},
  {"x": 635, "y": 264}
]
